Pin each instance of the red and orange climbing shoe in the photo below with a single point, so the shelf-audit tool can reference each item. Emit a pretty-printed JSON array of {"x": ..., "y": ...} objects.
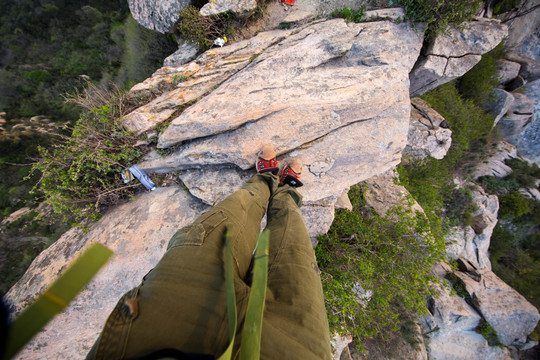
[
  {"x": 266, "y": 160},
  {"x": 291, "y": 174}
]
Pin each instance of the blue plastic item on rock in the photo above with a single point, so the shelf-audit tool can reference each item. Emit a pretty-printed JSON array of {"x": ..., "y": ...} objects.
[{"x": 143, "y": 178}]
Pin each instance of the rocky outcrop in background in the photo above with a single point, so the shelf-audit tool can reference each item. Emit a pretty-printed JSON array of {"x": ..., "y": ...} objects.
[
  {"x": 455, "y": 53},
  {"x": 157, "y": 15}
]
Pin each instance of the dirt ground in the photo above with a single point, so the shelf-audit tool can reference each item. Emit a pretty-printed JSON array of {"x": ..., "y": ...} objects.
[{"x": 276, "y": 12}]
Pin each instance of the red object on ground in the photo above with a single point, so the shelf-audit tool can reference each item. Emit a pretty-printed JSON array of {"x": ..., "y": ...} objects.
[{"x": 288, "y": 2}]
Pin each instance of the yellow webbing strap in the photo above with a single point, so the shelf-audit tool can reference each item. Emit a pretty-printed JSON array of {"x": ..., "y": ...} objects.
[
  {"x": 251, "y": 334},
  {"x": 56, "y": 298}
]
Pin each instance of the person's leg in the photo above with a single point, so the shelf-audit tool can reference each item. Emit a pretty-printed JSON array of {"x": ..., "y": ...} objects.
[
  {"x": 181, "y": 303},
  {"x": 295, "y": 324}
]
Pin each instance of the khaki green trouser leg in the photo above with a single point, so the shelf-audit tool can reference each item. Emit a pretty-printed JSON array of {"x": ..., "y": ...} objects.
[
  {"x": 295, "y": 325},
  {"x": 181, "y": 303}
]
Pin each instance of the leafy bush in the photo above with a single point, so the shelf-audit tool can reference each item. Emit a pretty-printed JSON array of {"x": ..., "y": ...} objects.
[
  {"x": 523, "y": 175},
  {"x": 470, "y": 125},
  {"x": 513, "y": 205},
  {"x": 371, "y": 266},
  {"x": 495, "y": 185},
  {"x": 459, "y": 287},
  {"x": 502, "y": 6},
  {"x": 487, "y": 331},
  {"x": 438, "y": 14},
  {"x": 349, "y": 14},
  {"x": 524, "y": 172},
  {"x": 82, "y": 174},
  {"x": 478, "y": 84},
  {"x": 501, "y": 243},
  {"x": 459, "y": 207},
  {"x": 203, "y": 30}
]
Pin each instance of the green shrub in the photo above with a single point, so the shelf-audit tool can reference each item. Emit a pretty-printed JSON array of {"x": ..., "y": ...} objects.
[
  {"x": 438, "y": 14},
  {"x": 523, "y": 175},
  {"x": 459, "y": 287},
  {"x": 526, "y": 173},
  {"x": 179, "y": 78},
  {"x": 502, "y": 6},
  {"x": 38, "y": 75},
  {"x": 487, "y": 331},
  {"x": 203, "y": 30},
  {"x": 478, "y": 84},
  {"x": 349, "y": 14},
  {"x": 513, "y": 205},
  {"x": 82, "y": 174},
  {"x": 459, "y": 207},
  {"x": 470, "y": 125},
  {"x": 389, "y": 259},
  {"x": 501, "y": 243},
  {"x": 495, "y": 185}
]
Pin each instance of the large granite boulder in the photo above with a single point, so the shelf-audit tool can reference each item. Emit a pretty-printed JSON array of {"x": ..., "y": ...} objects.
[
  {"x": 178, "y": 86},
  {"x": 519, "y": 115},
  {"x": 383, "y": 194},
  {"x": 451, "y": 326},
  {"x": 507, "y": 71},
  {"x": 495, "y": 164},
  {"x": 157, "y": 15},
  {"x": 237, "y": 7},
  {"x": 185, "y": 53},
  {"x": 521, "y": 27},
  {"x": 529, "y": 143},
  {"x": 331, "y": 93},
  {"x": 138, "y": 232},
  {"x": 499, "y": 107},
  {"x": 429, "y": 134},
  {"x": 472, "y": 242},
  {"x": 452, "y": 54},
  {"x": 508, "y": 312}
]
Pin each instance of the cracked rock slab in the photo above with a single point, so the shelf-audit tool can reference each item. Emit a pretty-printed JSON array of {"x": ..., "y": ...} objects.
[
  {"x": 332, "y": 94},
  {"x": 454, "y": 53},
  {"x": 508, "y": 312},
  {"x": 179, "y": 85},
  {"x": 238, "y": 7},
  {"x": 326, "y": 75},
  {"x": 428, "y": 132},
  {"x": 494, "y": 165}
]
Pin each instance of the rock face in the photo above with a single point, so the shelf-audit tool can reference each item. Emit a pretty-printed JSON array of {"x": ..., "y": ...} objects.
[
  {"x": 157, "y": 15},
  {"x": 237, "y": 7},
  {"x": 335, "y": 95},
  {"x": 453, "y": 54},
  {"x": 138, "y": 233},
  {"x": 519, "y": 115},
  {"x": 428, "y": 132},
  {"x": 194, "y": 80},
  {"x": 185, "y": 53},
  {"x": 383, "y": 193},
  {"x": 317, "y": 107},
  {"x": 529, "y": 143},
  {"x": 503, "y": 101},
  {"x": 507, "y": 71},
  {"x": 472, "y": 242},
  {"x": 509, "y": 313},
  {"x": 494, "y": 165},
  {"x": 522, "y": 27}
]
